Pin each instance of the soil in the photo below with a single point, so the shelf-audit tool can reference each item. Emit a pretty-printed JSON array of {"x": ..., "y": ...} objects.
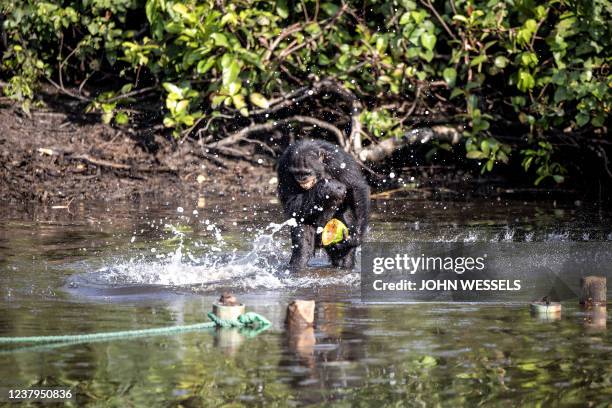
[{"x": 56, "y": 155}]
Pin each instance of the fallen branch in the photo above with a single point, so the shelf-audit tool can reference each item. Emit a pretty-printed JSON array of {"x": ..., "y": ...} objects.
[
  {"x": 101, "y": 162},
  {"x": 67, "y": 92},
  {"x": 384, "y": 149}
]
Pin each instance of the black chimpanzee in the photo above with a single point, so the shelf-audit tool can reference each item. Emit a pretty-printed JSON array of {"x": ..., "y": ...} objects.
[{"x": 318, "y": 181}]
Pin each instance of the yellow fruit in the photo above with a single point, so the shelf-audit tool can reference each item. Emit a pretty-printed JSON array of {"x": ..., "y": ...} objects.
[{"x": 335, "y": 231}]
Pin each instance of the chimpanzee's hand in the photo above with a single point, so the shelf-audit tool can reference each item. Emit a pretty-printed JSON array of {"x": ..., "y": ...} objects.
[{"x": 351, "y": 240}]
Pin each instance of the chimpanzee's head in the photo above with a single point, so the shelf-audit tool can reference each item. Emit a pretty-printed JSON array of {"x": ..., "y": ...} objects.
[{"x": 307, "y": 166}]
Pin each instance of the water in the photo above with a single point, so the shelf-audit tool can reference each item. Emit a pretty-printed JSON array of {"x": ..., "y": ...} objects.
[{"x": 104, "y": 267}]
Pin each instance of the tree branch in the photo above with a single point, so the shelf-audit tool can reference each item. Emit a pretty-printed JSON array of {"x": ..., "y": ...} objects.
[
  {"x": 384, "y": 149},
  {"x": 270, "y": 126}
]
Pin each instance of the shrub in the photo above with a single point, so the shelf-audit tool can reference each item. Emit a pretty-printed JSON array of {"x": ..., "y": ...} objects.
[{"x": 518, "y": 74}]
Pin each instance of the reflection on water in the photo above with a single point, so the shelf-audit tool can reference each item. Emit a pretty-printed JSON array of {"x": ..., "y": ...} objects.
[{"x": 103, "y": 267}]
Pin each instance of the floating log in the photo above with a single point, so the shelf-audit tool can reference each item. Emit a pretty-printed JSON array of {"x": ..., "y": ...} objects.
[
  {"x": 593, "y": 290},
  {"x": 300, "y": 313}
]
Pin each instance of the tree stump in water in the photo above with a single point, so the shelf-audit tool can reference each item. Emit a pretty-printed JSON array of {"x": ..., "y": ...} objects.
[
  {"x": 593, "y": 291},
  {"x": 300, "y": 313}
]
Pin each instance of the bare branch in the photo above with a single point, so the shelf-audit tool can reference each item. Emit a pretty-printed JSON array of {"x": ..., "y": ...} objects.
[
  {"x": 384, "y": 149},
  {"x": 427, "y": 3},
  {"x": 270, "y": 126}
]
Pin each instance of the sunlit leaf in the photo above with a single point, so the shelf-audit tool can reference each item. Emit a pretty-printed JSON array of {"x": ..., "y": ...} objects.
[
  {"x": 259, "y": 100},
  {"x": 450, "y": 75},
  {"x": 428, "y": 40}
]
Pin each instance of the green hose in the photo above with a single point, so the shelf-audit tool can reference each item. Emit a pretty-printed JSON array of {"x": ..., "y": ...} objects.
[{"x": 248, "y": 320}]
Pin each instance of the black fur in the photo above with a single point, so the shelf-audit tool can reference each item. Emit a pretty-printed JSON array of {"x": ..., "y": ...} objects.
[{"x": 340, "y": 192}]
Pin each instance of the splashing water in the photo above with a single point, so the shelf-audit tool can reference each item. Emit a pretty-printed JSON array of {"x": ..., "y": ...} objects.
[
  {"x": 260, "y": 267},
  {"x": 211, "y": 266}
]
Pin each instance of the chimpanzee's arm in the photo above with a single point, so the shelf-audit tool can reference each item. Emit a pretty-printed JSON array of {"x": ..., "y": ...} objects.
[{"x": 318, "y": 203}]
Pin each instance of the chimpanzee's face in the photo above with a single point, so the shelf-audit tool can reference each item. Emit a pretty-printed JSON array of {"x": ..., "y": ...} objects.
[{"x": 307, "y": 168}]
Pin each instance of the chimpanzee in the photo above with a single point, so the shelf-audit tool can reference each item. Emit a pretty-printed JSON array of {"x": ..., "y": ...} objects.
[{"x": 318, "y": 181}]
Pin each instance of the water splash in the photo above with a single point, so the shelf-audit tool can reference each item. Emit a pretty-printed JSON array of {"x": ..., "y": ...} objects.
[{"x": 262, "y": 266}]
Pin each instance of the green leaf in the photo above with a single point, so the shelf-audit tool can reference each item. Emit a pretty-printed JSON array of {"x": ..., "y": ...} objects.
[
  {"x": 126, "y": 88},
  {"x": 558, "y": 178},
  {"x": 502, "y": 157},
  {"x": 476, "y": 154},
  {"x": 428, "y": 40},
  {"x": 122, "y": 118},
  {"x": 330, "y": 8},
  {"x": 529, "y": 59},
  {"x": 169, "y": 122},
  {"x": 525, "y": 81},
  {"x": 181, "y": 107},
  {"x": 205, "y": 65},
  {"x": 456, "y": 92},
  {"x": 238, "y": 101},
  {"x": 107, "y": 117},
  {"x": 501, "y": 62},
  {"x": 180, "y": 8},
  {"x": 427, "y": 56},
  {"x": 450, "y": 76},
  {"x": 93, "y": 28},
  {"x": 582, "y": 119},
  {"x": 478, "y": 60},
  {"x": 281, "y": 8},
  {"x": 259, "y": 100},
  {"x": 599, "y": 120},
  {"x": 184, "y": 12},
  {"x": 381, "y": 44},
  {"x": 234, "y": 87},
  {"x": 217, "y": 100},
  {"x": 231, "y": 69},
  {"x": 560, "y": 94},
  {"x": 313, "y": 28},
  {"x": 484, "y": 146},
  {"x": 173, "y": 89},
  {"x": 220, "y": 40}
]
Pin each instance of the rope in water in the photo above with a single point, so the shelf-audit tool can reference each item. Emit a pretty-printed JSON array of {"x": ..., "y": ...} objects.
[{"x": 250, "y": 319}]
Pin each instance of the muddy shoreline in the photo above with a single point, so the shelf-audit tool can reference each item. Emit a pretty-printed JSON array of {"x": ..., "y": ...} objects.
[
  {"x": 51, "y": 157},
  {"x": 58, "y": 155}
]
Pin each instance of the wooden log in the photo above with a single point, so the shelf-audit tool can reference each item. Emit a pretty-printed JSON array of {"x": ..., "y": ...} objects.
[
  {"x": 300, "y": 313},
  {"x": 593, "y": 290}
]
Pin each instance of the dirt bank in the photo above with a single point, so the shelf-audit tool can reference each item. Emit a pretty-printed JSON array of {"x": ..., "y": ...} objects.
[{"x": 58, "y": 155}]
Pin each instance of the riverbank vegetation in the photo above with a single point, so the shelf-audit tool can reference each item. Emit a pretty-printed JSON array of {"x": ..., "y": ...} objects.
[{"x": 489, "y": 84}]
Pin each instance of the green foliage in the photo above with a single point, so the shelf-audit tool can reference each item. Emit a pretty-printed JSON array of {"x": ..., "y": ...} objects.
[
  {"x": 541, "y": 63},
  {"x": 381, "y": 123},
  {"x": 545, "y": 167}
]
